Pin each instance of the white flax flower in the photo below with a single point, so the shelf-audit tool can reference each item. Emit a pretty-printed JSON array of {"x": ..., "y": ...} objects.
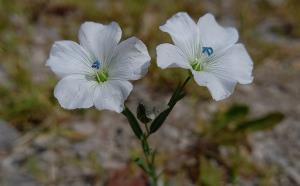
[
  {"x": 209, "y": 50},
  {"x": 97, "y": 71}
]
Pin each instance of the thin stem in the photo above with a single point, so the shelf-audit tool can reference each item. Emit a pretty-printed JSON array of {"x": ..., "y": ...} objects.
[
  {"x": 147, "y": 130},
  {"x": 178, "y": 91},
  {"x": 186, "y": 81},
  {"x": 149, "y": 155},
  {"x": 148, "y": 164}
]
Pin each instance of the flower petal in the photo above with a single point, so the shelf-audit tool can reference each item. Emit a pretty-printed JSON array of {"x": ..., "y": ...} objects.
[
  {"x": 99, "y": 39},
  {"x": 222, "y": 74},
  {"x": 112, "y": 95},
  {"x": 215, "y": 36},
  {"x": 171, "y": 56},
  {"x": 184, "y": 33},
  {"x": 235, "y": 64},
  {"x": 130, "y": 61},
  {"x": 68, "y": 57},
  {"x": 75, "y": 91},
  {"x": 218, "y": 87}
]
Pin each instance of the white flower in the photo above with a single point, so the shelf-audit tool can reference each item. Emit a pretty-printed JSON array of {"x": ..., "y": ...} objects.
[
  {"x": 97, "y": 72},
  {"x": 209, "y": 51}
]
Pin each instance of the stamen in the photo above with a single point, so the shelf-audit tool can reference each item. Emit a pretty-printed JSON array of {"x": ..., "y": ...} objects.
[
  {"x": 96, "y": 65},
  {"x": 208, "y": 50},
  {"x": 197, "y": 66},
  {"x": 101, "y": 76}
]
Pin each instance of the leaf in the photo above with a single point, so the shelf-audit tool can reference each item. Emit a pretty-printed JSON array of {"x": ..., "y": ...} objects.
[
  {"x": 234, "y": 114},
  {"x": 141, "y": 113},
  {"x": 237, "y": 112},
  {"x": 159, "y": 120},
  {"x": 263, "y": 123},
  {"x": 178, "y": 93},
  {"x": 176, "y": 96},
  {"x": 141, "y": 163},
  {"x": 229, "y": 138},
  {"x": 133, "y": 123}
]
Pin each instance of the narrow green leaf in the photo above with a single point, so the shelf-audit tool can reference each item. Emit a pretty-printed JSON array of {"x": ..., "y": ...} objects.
[
  {"x": 133, "y": 123},
  {"x": 176, "y": 96},
  {"x": 141, "y": 163},
  {"x": 263, "y": 123},
  {"x": 178, "y": 93},
  {"x": 236, "y": 113},
  {"x": 159, "y": 120},
  {"x": 172, "y": 100},
  {"x": 180, "y": 96},
  {"x": 185, "y": 82}
]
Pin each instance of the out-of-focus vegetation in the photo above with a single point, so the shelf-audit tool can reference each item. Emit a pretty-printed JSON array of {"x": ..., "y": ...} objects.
[
  {"x": 223, "y": 149},
  {"x": 27, "y": 99},
  {"x": 29, "y": 27}
]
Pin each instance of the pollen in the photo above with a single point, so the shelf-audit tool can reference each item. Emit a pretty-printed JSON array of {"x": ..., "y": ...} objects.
[
  {"x": 96, "y": 65},
  {"x": 207, "y": 50}
]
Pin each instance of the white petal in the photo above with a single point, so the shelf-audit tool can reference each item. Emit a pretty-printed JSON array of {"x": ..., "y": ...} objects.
[
  {"x": 222, "y": 74},
  {"x": 68, "y": 57},
  {"x": 215, "y": 36},
  {"x": 218, "y": 87},
  {"x": 171, "y": 56},
  {"x": 112, "y": 94},
  {"x": 235, "y": 64},
  {"x": 99, "y": 39},
  {"x": 75, "y": 91},
  {"x": 184, "y": 33},
  {"x": 130, "y": 61}
]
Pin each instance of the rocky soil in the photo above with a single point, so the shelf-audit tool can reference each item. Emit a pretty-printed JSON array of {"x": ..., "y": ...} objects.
[
  {"x": 86, "y": 152},
  {"x": 111, "y": 141}
]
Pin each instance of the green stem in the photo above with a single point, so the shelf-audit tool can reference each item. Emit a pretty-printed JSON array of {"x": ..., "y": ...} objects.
[
  {"x": 147, "y": 130},
  {"x": 186, "y": 81},
  {"x": 148, "y": 164},
  {"x": 149, "y": 155}
]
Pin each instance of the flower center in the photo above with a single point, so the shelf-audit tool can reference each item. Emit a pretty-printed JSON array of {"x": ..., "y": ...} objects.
[
  {"x": 197, "y": 64},
  {"x": 101, "y": 76}
]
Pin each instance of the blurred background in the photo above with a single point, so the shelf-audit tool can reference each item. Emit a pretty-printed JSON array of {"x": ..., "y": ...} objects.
[{"x": 250, "y": 139}]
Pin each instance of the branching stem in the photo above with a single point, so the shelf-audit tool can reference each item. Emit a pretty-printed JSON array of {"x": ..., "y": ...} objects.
[{"x": 148, "y": 162}]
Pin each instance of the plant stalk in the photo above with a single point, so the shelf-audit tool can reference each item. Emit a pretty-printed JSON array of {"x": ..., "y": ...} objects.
[
  {"x": 148, "y": 164},
  {"x": 149, "y": 156}
]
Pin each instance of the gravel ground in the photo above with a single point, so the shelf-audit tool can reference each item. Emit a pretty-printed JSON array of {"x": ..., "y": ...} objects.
[{"x": 105, "y": 147}]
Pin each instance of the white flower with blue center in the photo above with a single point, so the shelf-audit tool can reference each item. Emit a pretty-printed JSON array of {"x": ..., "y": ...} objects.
[
  {"x": 209, "y": 50},
  {"x": 97, "y": 71}
]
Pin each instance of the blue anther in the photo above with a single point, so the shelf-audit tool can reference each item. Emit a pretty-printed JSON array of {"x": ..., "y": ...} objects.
[
  {"x": 208, "y": 50},
  {"x": 96, "y": 65}
]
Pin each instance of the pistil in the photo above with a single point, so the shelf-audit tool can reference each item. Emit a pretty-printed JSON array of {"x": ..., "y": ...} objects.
[
  {"x": 197, "y": 66},
  {"x": 101, "y": 76}
]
